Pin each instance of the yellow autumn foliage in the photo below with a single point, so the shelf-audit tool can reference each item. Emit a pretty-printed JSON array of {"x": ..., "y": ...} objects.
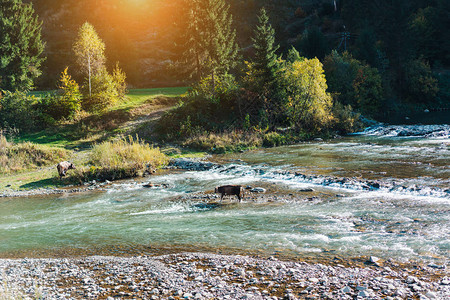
[{"x": 308, "y": 104}]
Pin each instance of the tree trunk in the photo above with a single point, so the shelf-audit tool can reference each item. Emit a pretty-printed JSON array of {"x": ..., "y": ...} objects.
[
  {"x": 89, "y": 66},
  {"x": 199, "y": 73},
  {"x": 213, "y": 84}
]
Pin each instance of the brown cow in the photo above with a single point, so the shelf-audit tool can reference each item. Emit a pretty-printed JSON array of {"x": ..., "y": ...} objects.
[
  {"x": 63, "y": 167},
  {"x": 230, "y": 190}
]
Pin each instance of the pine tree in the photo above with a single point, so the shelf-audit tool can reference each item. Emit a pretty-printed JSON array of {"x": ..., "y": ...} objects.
[
  {"x": 265, "y": 61},
  {"x": 21, "y": 46},
  {"x": 211, "y": 46}
]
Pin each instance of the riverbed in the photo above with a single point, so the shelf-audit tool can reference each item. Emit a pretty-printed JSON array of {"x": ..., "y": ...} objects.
[{"x": 384, "y": 192}]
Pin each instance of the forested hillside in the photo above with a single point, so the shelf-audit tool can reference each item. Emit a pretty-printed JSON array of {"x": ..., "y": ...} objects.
[
  {"x": 378, "y": 56},
  {"x": 401, "y": 38}
]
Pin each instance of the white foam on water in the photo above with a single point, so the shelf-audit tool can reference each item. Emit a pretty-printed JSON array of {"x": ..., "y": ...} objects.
[
  {"x": 395, "y": 195},
  {"x": 176, "y": 208}
]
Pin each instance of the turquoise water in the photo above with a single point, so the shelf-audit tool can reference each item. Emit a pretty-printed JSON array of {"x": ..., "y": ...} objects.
[{"x": 410, "y": 223}]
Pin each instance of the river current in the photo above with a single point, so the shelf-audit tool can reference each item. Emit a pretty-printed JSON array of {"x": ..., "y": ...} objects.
[{"x": 384, "y": 192}]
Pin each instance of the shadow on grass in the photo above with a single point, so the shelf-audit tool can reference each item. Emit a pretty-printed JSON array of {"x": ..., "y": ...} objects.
[
  {"x": 69, "y": 135},
  {"x": 45, "y": 183},
  {"x": 98, "y": 127}
]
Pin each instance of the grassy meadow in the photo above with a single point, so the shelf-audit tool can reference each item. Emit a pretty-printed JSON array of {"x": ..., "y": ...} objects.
[{"x": 91, "y": 141}]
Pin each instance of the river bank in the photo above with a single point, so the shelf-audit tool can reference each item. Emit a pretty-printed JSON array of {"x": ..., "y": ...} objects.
[{"x": 212, "y": 276}]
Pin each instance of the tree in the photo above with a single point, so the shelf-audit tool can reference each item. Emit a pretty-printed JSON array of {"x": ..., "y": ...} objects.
[
  {"x": 265, "y": 61},
  {"x": 21, "y": 46},
  {"x": 354, "y": 83},
  {"x": 366, "y": 47},
  {"x": 70, "y": 101},
  {"x": 308, "y": 105},
  {"x": 261, "y": 98},
  {"x": 313, "y": 43},
  {"x": 211, "y": 43},
  {"x": 89, "y": 50},
  {"x": 420, "y": 84}
]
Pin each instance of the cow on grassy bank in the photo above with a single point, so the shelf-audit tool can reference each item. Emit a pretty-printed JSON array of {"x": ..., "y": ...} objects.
[
  {"x": 63, "y": 167},
  {"x": 230, "y": 190}
]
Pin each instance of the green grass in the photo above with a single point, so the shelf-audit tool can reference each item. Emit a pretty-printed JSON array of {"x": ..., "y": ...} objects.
[
  {"x": 82, "y": 133},
  {"x": 136, "y": 97},
  {"x": 91, "y": 130}
]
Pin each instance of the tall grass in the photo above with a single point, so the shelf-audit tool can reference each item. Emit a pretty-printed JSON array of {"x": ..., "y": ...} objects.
[
  {"x": 122, "y": 158},
  {"x": 26, "y": 156}
]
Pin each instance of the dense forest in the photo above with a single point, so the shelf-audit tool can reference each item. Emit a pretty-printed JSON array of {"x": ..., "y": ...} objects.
[
  {"x": 379, "y": 57},
  {"x": 405, "y": 40}
]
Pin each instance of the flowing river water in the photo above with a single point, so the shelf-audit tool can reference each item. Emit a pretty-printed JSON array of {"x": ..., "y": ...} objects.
[{"x": 385, "y": 192}]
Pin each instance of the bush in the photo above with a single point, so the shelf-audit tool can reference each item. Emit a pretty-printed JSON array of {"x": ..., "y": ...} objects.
[
  {"x": 64, "y": 104},
  {"x": 70, "y": 101},
  {"x": 203, "y": 109},
  {"x": 223, "y": 87},
  {"x": 345, "y": 119},
  {"x": 123, "y": 158},
  {"x": 273, "y": 139},
  {"x": 119, "y": 78},
  {"x": 230, "y": 141},
  {"x": 17, "y": 110},
  {"x": 104, "y": 92}
]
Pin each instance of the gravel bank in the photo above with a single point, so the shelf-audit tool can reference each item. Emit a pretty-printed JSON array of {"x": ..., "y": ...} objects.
[{"x": 212, "y": 276}]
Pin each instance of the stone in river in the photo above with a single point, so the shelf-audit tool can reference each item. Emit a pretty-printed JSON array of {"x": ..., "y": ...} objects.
[{"x": 258, "y": 190}]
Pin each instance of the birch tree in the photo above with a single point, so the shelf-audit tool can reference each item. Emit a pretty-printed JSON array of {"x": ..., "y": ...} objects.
[{"x": 89, "y": 50}]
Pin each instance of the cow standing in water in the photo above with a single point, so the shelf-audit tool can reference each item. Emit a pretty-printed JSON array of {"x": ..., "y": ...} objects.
[
  {"x": 230, "y": 190},
  {"x": 62, "y": 168}
]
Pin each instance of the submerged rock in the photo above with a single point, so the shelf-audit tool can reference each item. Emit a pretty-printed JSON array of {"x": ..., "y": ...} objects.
[
  {"x": 191, "y": 164},
  {"x": 258, "y": 190}
]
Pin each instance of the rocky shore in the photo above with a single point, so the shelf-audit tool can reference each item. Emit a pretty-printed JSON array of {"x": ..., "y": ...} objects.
[{"x": 213, "y": 276}]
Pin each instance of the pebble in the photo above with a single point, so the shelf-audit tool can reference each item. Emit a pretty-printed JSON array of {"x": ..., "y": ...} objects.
[{"x": 218, "y": 277}]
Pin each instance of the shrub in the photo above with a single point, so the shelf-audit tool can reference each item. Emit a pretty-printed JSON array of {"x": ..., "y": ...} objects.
[
  {"x": 104, "y": 92},
  {"x": 17, "y": 111},
  {"x": 119, "y": 78},
  {"x": 70, "y": 101},
  {"x": 230, "y": 141},
  {"x": 203, "y": 109},
  {"x": 123, "y": 158},
  {"x": 346, "y": 120},
  {"x": 49, "y": 107},
  {"x": 223, "y": 87},
  {"x": 273, "y": 139},
  {"x": 65, "y": 104}
]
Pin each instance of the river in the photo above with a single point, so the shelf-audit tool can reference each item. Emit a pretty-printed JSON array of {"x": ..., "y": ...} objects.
[{"x": 384, "y": 192}]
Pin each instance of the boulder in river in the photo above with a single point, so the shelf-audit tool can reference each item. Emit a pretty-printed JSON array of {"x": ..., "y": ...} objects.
[{"x": 258, "y": 190}]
